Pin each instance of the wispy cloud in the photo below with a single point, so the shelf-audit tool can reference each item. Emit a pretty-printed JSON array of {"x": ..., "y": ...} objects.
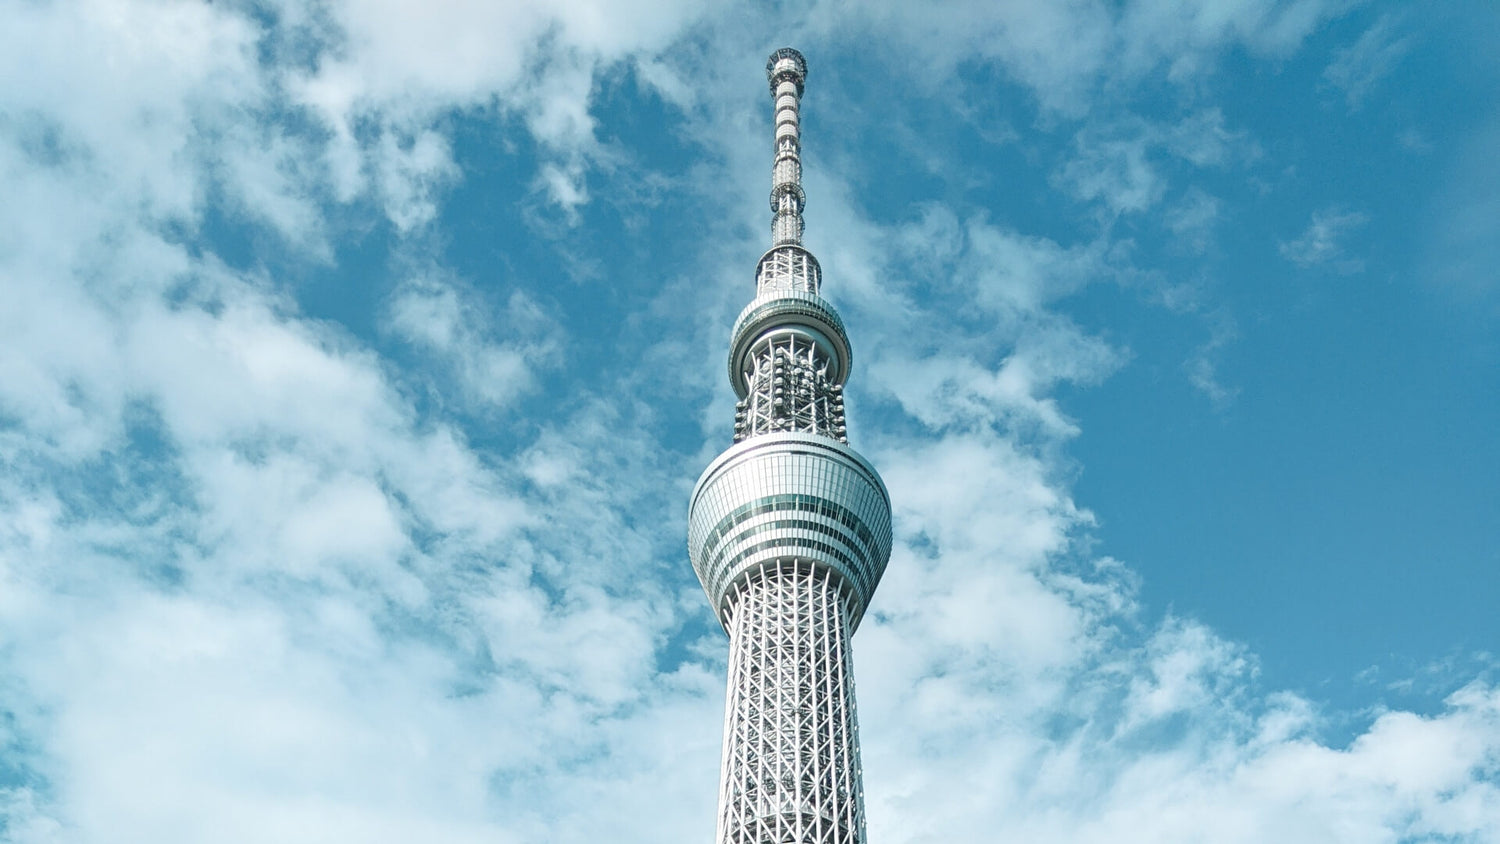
[
  {"x": 1357, "y": 69},
  {"x": 269, "y": 573},
  {"x": 1192, "y": 219},
  {"x": 1126, "y": 166},
  {"x": 1464, "y": 229},
  {"x": 492, "y": 353},
  {"x": 1202, "y": 366},
  {"x": 1322, "y": 242}
]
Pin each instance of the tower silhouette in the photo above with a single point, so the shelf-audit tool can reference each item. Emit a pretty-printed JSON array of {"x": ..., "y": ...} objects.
[{"x": 789, "y": 531}]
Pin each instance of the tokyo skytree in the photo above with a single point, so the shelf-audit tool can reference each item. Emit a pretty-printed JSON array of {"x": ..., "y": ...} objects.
[{"x": 789, "y": 530}]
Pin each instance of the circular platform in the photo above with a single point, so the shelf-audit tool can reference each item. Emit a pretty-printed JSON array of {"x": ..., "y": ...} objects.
[{"x": 776, "y": 498}]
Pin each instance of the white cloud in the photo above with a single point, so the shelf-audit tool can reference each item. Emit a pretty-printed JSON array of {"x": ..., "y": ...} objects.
[
  {"x": 1007, "y": 281},
  {"x": 1120, "y": 165},
  {"x": 1116, "y": 173},
  {"x": 1460, "y": 239},
  {"x": 1202, "y": 366},
  {"x": 401, "y": 67},
  {"x": 409, "y": 171},
  {"x": 1192, "y": 219},
  {"x": 1187, "y": 670},
  {"x": 456, "y": 325},
  {"x": 1203, "y": 139},
  {"x": 251, "y": 589},
  {"x": 256, "y": 621},
  {"x": 1321, "y": 243},
  {"x": 1066, "y": 52},
  {"x": 1356, "y": 69},
  {"x": 946, "y": 390},
  {"x": 1185, "y": 35}
]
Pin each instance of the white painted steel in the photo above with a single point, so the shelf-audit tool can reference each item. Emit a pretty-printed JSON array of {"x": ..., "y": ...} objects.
[
  {"x": 791, "y": 740},
  {"x": 789, "y": 531},
  {"x": 785, "y": 495}
]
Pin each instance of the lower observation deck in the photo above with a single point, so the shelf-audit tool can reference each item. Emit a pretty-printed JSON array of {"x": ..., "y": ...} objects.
[{"x": 778, "y": 498}]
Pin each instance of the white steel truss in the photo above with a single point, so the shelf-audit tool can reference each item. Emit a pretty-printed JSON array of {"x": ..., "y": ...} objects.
[
  {"x": 791, "y": 745},
  {"x": 790, "y": 390}
]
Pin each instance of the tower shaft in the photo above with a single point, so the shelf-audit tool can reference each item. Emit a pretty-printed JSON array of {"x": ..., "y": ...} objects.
[
  {"x": 791, "y": 746},
  {"x": 789, "y": 531}
]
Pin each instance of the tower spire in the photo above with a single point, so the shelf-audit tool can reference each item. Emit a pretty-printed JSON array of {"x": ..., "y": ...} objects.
[
  {"x": 789, "y": 531},
  {"x": 787, "y": 266},
  {"x": 786, "y": 70}
]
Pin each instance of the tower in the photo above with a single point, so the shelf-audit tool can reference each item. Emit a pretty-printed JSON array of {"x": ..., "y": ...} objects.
[{"x": 789, "y": 531}]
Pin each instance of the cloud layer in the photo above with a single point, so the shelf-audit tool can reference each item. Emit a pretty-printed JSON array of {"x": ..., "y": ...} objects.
[{"x": 409, "y": 565}]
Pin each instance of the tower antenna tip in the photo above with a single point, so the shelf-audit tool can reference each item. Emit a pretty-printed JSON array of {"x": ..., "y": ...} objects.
[{"x": 786, "y": 63}]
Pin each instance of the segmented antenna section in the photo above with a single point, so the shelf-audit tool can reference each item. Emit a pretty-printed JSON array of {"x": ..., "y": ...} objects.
[{"x": 787, "y": 266}]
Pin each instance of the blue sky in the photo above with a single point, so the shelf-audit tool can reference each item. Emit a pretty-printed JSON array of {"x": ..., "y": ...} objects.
[{"x": 356, "y": 361}]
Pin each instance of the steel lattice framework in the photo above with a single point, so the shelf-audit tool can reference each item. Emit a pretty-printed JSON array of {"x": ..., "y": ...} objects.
[{"x": 789, "y": 530}]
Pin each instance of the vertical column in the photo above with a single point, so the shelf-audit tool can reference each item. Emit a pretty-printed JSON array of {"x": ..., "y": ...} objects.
[{"x": 791, "y": 748}]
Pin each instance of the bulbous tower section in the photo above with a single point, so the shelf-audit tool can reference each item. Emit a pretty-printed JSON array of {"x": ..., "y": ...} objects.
[{"x": 789, "y": 531}]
